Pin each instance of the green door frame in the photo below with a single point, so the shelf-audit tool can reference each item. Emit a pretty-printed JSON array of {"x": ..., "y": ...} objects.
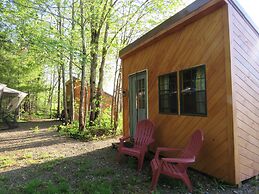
[{"x": 138, "y": 105}]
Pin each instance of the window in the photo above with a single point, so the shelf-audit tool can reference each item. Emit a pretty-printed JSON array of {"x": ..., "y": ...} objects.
[
  {"x": 141, "y": 93},
  {"x": 193, "y": 91},
  {"x": 168, "y": 101}
]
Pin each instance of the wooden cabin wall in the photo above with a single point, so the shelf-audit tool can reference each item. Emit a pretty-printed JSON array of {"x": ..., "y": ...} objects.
[
  {"x": 77, "y": 88},
  {"x": 201, "y": 42},
  {"x": 245, "y": 86}
]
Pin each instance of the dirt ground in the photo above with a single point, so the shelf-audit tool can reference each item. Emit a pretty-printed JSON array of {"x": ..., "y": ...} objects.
[
  {"x": 35, "y": 151},
  {"x": 38, "y": 141}
]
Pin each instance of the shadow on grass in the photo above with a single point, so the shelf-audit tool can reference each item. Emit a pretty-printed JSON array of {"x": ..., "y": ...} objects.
[
  {"x": 93, "y": 172},
  {"x": 25, "y": 126},
  {"x": 40, "y": 143},
  {"x": 30, "y": 135},
  {"x": 98, "y": 172}
]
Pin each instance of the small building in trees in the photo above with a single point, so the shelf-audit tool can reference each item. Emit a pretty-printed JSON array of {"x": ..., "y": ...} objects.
[
  {"x": 10, "y": 101},
  {"x": 199, "y": 70},
  {"x": 106, "y": 98},
  {"x": 77, "y": 88}
]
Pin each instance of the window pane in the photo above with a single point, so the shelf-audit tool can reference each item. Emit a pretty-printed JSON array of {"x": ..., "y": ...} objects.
[
  {"x": 193, "y": 91},
  {"x": 141, "y": 94},
  {"x": 168, "y": 93}
]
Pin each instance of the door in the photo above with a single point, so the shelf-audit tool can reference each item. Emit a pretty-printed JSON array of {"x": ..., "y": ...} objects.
[{"x": 137, "y": 99}]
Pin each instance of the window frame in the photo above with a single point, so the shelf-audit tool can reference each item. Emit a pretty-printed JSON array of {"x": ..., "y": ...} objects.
[
  {"x": 177, "y": 94},
  {"x": 205, "y": 90}
]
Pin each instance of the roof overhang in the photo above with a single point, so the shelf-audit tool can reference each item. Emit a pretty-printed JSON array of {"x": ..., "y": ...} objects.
[
  {"x": 191, "y": 13},
  {"x": 15, "y": 95}
]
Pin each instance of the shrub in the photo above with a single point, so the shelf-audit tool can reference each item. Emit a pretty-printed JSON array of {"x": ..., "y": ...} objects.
[{"x": 101, "y": 128}]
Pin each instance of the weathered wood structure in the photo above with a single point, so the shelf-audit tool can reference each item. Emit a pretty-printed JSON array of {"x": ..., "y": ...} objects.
[
  {"x": 199, "y": 70},
  {"x": 106, "y": 98}
]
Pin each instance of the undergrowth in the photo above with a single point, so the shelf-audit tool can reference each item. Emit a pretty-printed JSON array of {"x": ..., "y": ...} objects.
[{"x": 100, "y": 129}]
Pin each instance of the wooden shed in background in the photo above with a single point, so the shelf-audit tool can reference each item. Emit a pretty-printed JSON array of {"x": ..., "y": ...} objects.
[
  {"x": 77, "y": 88},
  {"x": 106, "y": 98},
  {"x": 199, "y": 70}
]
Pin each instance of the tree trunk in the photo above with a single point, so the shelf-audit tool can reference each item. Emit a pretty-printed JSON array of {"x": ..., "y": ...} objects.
[
  {"x": 62, "y": 64},
  {"x": 83, "y": 64},
  {"x": 71, "y": 56},
  {"x": 114, "y": 91},
  {"x": 51, "y": 90},
  {"x": 59, "y": 86},
  {"x": 93, "y": 53},
  {"x": 117, "y": 102},
  {"x": 101, "y": 70}
]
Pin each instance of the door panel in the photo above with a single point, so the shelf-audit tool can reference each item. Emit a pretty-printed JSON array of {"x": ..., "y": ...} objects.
[{"x": 137, "y": 99}]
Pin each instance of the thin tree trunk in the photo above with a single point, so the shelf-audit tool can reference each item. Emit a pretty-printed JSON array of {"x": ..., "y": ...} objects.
[
  {"x": 117, "y": 101},
  {"x": 59, "y": 86},
  {"x": 51, "y": 91},
  {"x": 71, "y": 56},
  {"x": 82, "y": 90},
  {"x": 62, "y": 64},
  {"x": 101, "y": 71},
  {"x": 114, "y": 91}
]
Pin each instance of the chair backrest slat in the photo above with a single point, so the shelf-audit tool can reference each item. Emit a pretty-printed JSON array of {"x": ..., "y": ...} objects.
[
  {"x": 144, "y": 133},
  {"x": 193, "y": 147}
]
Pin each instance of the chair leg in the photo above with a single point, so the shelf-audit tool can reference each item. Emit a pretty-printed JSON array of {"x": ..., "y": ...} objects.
[
  {"x": 188, "y": 183},
  {"x": 140, "y": 162},
  {"x": 155, "y": 177}
]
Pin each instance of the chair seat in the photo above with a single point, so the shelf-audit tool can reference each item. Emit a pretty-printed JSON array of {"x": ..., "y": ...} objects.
[
  {"x": 155, "y": 164},
  {"x": 172, "y": 170},
  {"x": 177, "y": 167},
  {"x": 142, "y": 139},
  {"x": 131, "y": 151}
]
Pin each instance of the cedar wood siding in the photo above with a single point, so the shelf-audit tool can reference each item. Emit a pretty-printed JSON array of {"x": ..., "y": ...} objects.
[
  {"x": 201, "y": 42},
  {"x": 245, "y": 86}
]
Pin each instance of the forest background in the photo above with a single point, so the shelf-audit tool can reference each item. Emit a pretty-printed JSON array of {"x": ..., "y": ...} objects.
[{"x": 45, "y": 43}]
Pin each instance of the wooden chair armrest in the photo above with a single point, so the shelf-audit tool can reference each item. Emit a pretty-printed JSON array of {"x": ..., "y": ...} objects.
[
  {"x": 165, "y": 149},
  {"x": 124, "y": 138},
  {"x": 179, "y": 160}
]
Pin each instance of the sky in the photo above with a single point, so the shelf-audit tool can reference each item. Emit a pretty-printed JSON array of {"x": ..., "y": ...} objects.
[{"x": 250, "y": 6}]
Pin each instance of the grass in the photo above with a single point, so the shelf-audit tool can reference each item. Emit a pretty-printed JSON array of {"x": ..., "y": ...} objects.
[
  {"x": 6, "y": 161},
  {"x": 49, "y": 165},
  {"x": 38, "y": 186},
  {"x": 96, "y": 187},
  {"x": 94, "y": 172},
  {"x": 35, "y": 129},
  {"x": 44, "y": 155},
  {"x": 27, "y": 155},
  {"x": 106, "y": 171},
  {"x": 103, "y": 176}
]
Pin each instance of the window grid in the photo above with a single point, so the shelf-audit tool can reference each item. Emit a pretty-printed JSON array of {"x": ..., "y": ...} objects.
[
  {"x": 183, "y": 92},
  {"x": 193, "y": 91},
  {"x": 168, "y": 102}
]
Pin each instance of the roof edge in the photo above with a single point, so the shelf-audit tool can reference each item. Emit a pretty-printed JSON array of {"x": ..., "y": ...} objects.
[
  {"x": 175, "y": 20},
  {"x": 166, "y": 25},
  {"x": 236, "y": 5}
]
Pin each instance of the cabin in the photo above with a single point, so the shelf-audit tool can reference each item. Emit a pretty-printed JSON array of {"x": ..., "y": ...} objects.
[
  {"x": 199, "y": 70},
  {"x": 106, "y": 98}
]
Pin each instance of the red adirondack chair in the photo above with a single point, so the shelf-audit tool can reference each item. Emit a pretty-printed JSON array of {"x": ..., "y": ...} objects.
[
  {"x": 177, "y": 167},
  {"x": 142, "y": 138}
]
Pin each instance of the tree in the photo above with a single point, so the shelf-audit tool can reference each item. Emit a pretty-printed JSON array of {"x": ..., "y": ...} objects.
[
  {"x": 71, "y": 58},
  {"x": 83, "y": 64}
]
